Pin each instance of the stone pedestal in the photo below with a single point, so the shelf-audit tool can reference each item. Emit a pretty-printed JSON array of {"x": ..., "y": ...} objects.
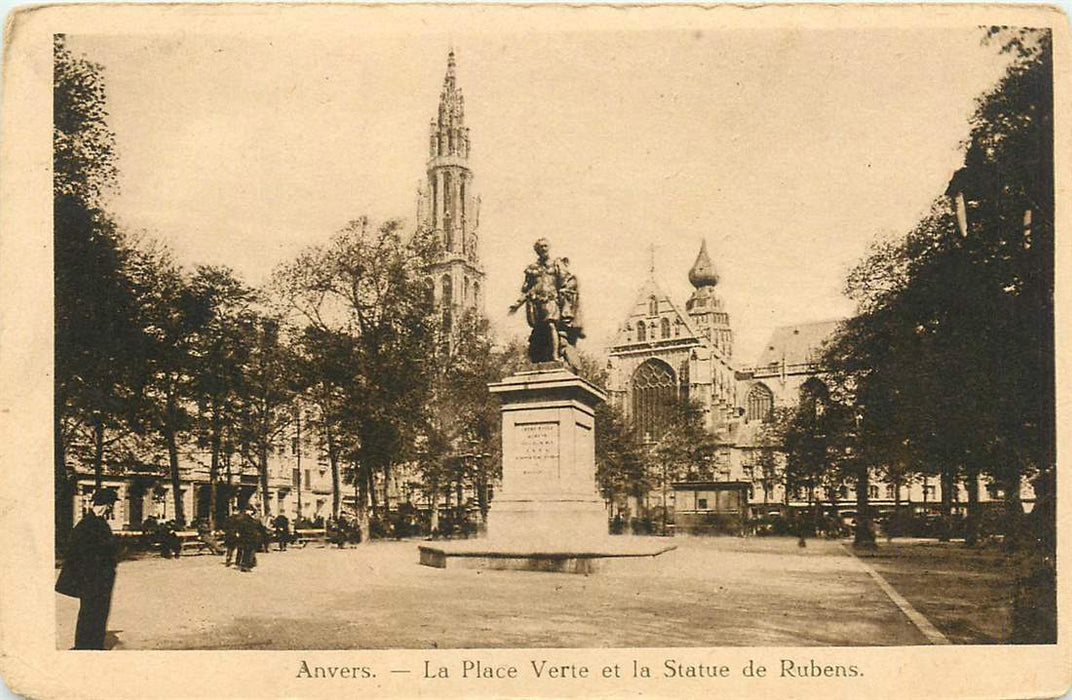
[
  {"x": 549, "y": 494},
  {"x": 548, "y": 515}
]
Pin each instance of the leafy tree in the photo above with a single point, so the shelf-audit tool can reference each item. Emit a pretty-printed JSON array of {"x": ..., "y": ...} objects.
[
  {"x": 807, "y": 447},
  {"x": 266, "y": 403},
  {"x": 326, "y": 368},
  {"x": 686, "y": 450},
  {"x": 770, "y": 457},
  {"x": 367, "y": 289},
  {"x": 949, "y": 364},
  {"x": 95, "y": 313},
  {"x": 221, "y": 354},
  {"x": 83, "y": 145},
  {"x": 621, "y": 467},
  {"x": 173, "y": 316}
]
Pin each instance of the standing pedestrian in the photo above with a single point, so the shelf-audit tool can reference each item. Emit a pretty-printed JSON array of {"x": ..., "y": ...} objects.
[
  {"x": 88, "y": 571},
  {"x": 248, "y": 531},
  {"x": 230, "y": 538},
  {"x": 281, "y": 524}
]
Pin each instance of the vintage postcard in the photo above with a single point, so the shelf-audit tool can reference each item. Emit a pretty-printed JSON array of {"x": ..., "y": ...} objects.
[{"x": 535, "y": 351}]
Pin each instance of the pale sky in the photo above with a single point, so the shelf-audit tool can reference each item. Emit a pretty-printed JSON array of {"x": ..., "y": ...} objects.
[{"x": 788, "y": 150}]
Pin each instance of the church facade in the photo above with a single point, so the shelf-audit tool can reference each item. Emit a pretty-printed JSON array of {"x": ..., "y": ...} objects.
[{"x": 664, "y": 351}]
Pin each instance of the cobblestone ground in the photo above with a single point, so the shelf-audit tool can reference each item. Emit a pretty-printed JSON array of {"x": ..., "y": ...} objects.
[{"x": 708, "y": 592}]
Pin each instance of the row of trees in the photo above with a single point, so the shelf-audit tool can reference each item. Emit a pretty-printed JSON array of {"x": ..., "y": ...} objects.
[
  {"x": 152, "y": 358},
  {"x": 947, "y": 371}
]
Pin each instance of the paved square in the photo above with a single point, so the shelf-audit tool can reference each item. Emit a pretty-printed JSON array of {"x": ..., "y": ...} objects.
[{"x": 708, "y": 592}]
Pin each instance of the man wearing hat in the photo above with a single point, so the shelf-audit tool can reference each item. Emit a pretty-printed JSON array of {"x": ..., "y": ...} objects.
[
  {"x": 88, "y": 571},
  {"x": 248, "y": 531}
]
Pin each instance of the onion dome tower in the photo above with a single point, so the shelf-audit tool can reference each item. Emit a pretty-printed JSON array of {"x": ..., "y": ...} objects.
[{"x": 705, "y": 308}]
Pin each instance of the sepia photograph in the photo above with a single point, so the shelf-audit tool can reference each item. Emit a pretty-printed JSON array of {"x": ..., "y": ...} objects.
[{"x": 625, "y": 335}]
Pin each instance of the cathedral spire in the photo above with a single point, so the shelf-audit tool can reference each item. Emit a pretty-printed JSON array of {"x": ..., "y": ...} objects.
[
  {"x": 449, "y": 135},
  {"x": 448, "y": 206},
  {"x": 448, "y": 80}
]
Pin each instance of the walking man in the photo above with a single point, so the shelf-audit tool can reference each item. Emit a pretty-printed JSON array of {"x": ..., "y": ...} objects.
[{"x": 88, "y": 571}]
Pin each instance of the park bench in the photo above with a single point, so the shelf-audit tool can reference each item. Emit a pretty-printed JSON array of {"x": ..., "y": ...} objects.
[
  {"x": 191, "y": 543},
  {"x": 307, "y": 535}
]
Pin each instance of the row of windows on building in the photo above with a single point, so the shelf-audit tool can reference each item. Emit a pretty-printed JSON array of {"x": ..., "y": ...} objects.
[
  {"x": 470, "y": 291},
  {"x": 759, "y": 403},
  {"x": 447, "y": 191},
  {"x": 656, "y": 329}
]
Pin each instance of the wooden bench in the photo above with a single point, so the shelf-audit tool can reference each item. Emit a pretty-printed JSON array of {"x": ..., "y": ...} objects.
[
  {"x": 191, "y": 543},
  {"x": 306, "y": 535}
]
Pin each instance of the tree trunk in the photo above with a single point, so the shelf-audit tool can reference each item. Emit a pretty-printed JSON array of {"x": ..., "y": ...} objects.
[
  {"x": 370, "y": 480},
  {"x": 434, "y": 522},
  {"x": 948, "y": 483},
  {"x": 173, "y": 468},
  {"x": 63, "y": 488},
  {"x": 298, "y": 451},
  {"x": 1014, "y": 509},
  {"x": 262, "y": 472},
  {"x": 98, "y": 452},
  {"x": 971, "y": 524},
  {"x": 864, "y": 536},
  {"x": 482, "y": 498},
  {"x": 362, "y": 494},
  {"x": 336, "y": 483},
  {"x": 386, "y": 489},
  {"x": 214, "y": 468}
]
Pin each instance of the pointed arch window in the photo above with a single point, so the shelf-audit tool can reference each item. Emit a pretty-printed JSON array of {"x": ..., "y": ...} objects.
[
  {"x": 461, "y": 197},
  {"x": 653, "y": 306},
  {"x": 435, "y": 202},
  {"x": 447, "y": 296},
  {"x": 759, "y": 404},
  {"x": 654, "y": 393},
  {"x": 664, "y": 327},
  {"x": 448, "y": 205},
  {"x": 641, "y": 332}
]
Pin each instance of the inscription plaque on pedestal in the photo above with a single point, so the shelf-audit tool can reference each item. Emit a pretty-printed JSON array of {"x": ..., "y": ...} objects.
[{"x": 537, "y": 458}]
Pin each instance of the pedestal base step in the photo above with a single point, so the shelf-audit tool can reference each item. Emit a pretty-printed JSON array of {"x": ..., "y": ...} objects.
[{"x": 567, "y": 559}]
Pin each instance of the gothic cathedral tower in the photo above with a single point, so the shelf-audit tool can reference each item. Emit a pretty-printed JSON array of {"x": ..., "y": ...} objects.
[{"x": 448, "y": 206}]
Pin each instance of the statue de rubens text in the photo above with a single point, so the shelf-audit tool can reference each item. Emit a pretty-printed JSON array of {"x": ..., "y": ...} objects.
[{"x": 552, "y": 308}]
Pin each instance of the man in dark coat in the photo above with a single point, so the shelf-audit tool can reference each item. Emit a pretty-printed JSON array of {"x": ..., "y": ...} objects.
[
  {"x": 249, "y": 534},
  {"x": 281, "y": 524},
  {"x": 88, "y": 571},
  {"x": 230, "y": 537}
]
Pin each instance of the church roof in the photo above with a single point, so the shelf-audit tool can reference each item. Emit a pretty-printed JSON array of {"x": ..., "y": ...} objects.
[
  {"x": 639, "y": 311},
  {"x": 796, "y": 344}
]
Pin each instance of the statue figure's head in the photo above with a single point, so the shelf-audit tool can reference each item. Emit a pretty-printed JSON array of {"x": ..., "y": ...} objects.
[{"x": 542, "y": 246}]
